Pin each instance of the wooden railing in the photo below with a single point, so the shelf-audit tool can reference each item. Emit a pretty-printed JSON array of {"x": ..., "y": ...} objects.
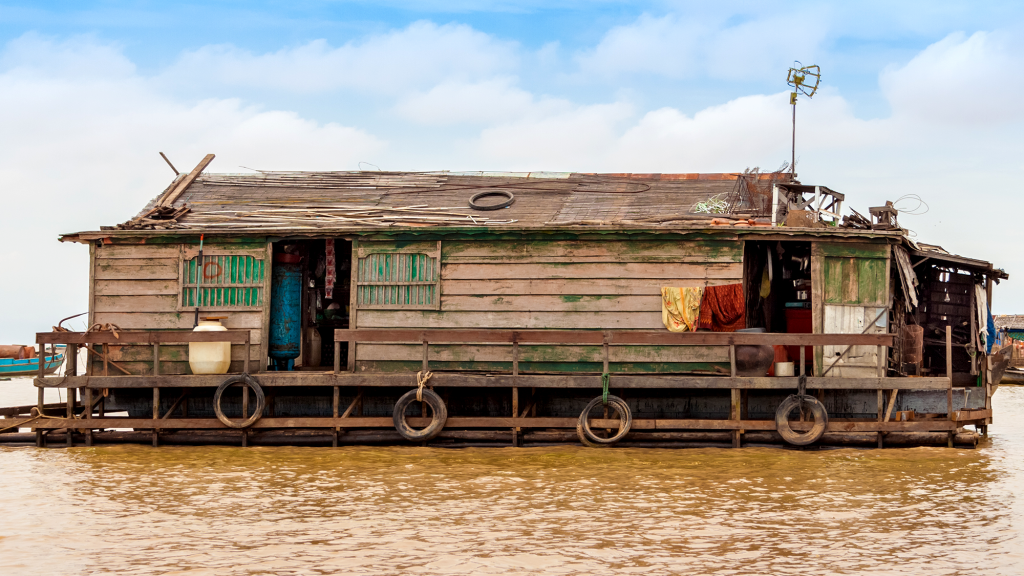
[
  {"x": 154, "y": 338},
  {"x": 604, "y": 338}
]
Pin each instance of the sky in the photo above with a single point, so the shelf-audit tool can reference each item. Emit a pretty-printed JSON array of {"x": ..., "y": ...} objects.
[{"x": 917, "y": 98}]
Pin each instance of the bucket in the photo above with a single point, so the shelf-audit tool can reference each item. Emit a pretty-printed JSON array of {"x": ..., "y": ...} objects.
[{"x": 784, "y": 369}]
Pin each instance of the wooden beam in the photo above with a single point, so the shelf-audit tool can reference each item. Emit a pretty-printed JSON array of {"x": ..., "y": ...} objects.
[
  {"x": 139, "y": 337},
  {"x": 964, "y": 415},
  {"x": 186, "y": 181},
  {"x": 458, "y": 422},
  {"x": 464, "y": 380},
  {"x": 615, "y": 337}
]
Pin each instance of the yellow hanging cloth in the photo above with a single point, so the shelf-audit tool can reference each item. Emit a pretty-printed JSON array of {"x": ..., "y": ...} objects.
[{"x": 680, "y": 308}]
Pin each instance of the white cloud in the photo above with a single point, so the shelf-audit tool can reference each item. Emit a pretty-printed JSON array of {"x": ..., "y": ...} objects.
[
  {"x": 496, "y": 100},
  {"x": 961, "y": 79},
  {"x": 422, "y": 54},
  {"x": 681, "y": 46},
  {"x": 80, "y": 151},
  {"x": 572, "y": 139}
]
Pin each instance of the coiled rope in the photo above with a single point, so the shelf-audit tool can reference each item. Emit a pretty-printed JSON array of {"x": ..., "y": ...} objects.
[{"x": 421, "y": 381}]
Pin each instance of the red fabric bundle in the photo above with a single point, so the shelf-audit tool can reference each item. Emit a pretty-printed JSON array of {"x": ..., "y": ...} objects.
[{"x": 722, "y": 308}]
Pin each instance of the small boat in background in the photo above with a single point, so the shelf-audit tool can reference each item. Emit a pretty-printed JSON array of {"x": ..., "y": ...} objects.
[
  {"x": 1013, "y": 376},
  {"x": 14, "y": 367}
]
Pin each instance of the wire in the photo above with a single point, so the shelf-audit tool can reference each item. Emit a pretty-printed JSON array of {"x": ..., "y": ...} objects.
[{"x": 920, "y": 208}]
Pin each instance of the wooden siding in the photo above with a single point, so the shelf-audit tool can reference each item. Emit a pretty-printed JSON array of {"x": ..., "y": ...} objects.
[
  {"x": 582, "y": 284},
  {"x": 138, "y": 287},
  {"x": 854, "y": 290}
]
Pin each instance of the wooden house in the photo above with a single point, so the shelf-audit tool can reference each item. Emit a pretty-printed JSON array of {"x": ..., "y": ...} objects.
[{"x": 522, "y": 314}]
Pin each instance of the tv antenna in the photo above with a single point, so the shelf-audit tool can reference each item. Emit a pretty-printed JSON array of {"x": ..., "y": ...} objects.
[{"x": 804, "y": 80}]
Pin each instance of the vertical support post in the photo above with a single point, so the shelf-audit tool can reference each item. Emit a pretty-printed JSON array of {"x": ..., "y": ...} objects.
[
  {"x": 515, "y": 413},
  {"x": 426, "y": 368},
  {"x": 337, "y": 357},
  {"x": 735, "y": 414},
  {"x": 106, "y": 359},
  {"x": 515, "y": 356},
  {"x": 72, "y": 360},
  {"x": 803, "y": 361},
  {"x": 515, "y": 389},
  {"x": 245, "y": 414},
  {"x": 42, "y": 362},
  {"x": 156, "y": 359},
  {"x": 88, "y": 415},
  {"x": 881, "y": 393},
  {"x": 975, "y": 341},
  {"x": 40, "y": 394},
  {"x": 605, "y": 354},
  {"x": 156, "y": 416},
  {"x": 248, "y": 351},
  {"x": 71, "y": 414},
  {"x": 949, "y": 375},
  {"x": 734, "y": 405},
  {"x": 336, "y": 401}
]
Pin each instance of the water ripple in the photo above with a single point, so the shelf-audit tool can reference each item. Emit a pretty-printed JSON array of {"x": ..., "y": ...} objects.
[{"x": 227, "y": 511}]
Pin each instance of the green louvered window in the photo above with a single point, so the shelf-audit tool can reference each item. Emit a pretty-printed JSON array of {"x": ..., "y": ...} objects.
[
  {"x": 225, "y": 282},
  {"x": 398, "y": 280}
]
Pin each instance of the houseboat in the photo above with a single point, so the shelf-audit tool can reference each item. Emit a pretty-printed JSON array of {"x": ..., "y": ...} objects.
[{"x": 518, "y": 309}]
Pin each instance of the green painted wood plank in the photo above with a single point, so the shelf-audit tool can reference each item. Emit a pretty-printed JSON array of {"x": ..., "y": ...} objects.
[
  {"x": 833, "y": 280},
  {"x": 854, "y": 250}
]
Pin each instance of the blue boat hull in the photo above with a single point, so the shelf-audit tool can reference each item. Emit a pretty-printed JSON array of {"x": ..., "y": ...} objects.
[{"x": 12, "y": 367}]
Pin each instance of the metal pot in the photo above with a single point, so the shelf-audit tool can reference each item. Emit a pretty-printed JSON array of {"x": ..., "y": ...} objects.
[{"x": 751, "y": 359}]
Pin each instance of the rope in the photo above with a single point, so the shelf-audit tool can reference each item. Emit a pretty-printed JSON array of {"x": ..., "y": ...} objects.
[
  {"x": 112, "y": 328},
  {"x": 604, "y": 387},
  {"x": 20, "y": 424},
  {"x": 421, "y": 381},
  {"x": 37, "y": 417}
]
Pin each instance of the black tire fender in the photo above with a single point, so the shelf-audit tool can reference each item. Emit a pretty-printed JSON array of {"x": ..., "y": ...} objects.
[
  {"x": 244, "y": 380},
  {"x": 436, "y": 423},
  {"x": 509, "y": 200},
  {"x": 793, "y": 402},
  {"x": 587, "y": 436}
]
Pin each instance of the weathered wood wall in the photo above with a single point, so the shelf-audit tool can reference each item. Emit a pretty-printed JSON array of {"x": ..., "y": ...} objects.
[
  {"x": 850, "y": 291},
  {"x": 551, "y": 284},
  {"x": 138, "y": 287}
]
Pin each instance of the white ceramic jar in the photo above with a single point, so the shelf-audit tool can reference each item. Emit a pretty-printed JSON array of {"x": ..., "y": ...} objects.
[{"x": 209, "y": 357}]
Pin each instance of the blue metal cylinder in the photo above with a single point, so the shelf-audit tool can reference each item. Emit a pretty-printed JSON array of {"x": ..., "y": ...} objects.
[{"x": 285, "y": 310}]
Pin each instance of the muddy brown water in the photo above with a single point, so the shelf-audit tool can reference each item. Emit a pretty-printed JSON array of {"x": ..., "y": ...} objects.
[{"x": 564, "y": 510}]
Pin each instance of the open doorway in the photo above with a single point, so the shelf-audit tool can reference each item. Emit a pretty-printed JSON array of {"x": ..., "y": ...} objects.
[
  {"x": 777, "y": 288},
  {"x": 310, "y": 298}
]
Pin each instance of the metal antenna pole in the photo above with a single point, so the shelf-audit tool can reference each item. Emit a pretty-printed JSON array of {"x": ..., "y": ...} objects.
[
  {"x": 792, "y": 163},
  {"x": 797, "y": 78}
]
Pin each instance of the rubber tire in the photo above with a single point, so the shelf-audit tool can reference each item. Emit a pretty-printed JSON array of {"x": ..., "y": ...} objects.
[
  {"x": 245, "y": 380},
  {"x": 436, "y": 424},
  {"x": 505, "y": 204},
  {"x": 587, "y": 436},
  {"x": 782, "y": 420}
]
